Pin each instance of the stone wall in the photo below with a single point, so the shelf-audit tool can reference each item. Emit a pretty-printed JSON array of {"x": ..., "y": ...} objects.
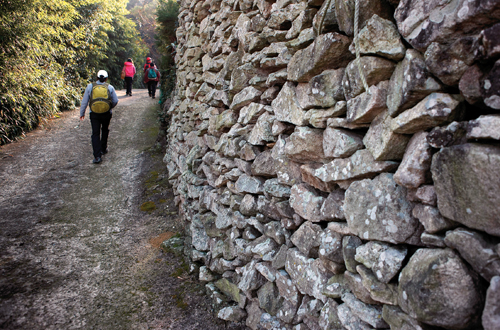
[{"x": 312, "y": 203}]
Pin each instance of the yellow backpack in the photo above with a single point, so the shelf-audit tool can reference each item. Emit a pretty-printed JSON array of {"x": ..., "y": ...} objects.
[{"x": 100, "y": 98}]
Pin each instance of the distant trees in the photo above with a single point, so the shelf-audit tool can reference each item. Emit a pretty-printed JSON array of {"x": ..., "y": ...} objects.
[{"x": 49, "y": 50}]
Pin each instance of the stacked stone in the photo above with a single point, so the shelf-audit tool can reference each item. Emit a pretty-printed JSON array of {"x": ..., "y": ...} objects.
[{"x": 313, "y": 203}]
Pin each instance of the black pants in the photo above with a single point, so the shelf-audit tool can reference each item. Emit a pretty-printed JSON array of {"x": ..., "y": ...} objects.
[
  {"x": 152, "y": 87},
  {"x": 128, "y": 82},
  {"x": 100, "y": 124}
]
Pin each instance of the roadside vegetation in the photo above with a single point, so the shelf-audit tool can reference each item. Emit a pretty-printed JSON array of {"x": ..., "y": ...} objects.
[{"x": 50, "y": 49}]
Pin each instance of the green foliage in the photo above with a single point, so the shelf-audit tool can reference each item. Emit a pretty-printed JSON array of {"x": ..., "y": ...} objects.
[
  {"x": 167, "y": 12},
  {"x": 50, "y": 49}
]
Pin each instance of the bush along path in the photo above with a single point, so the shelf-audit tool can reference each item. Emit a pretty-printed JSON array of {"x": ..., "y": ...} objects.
[{"x": 80, "y": 242}]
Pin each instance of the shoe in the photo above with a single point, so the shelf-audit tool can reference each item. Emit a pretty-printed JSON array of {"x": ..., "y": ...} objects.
[
  {"x": 153, "y": 97},
  {"x": 130, "y": 94},
  {"x": 149, "y": 95},
  {"x": 96, "y": 160},
  {"x": 104, "y": 152}
]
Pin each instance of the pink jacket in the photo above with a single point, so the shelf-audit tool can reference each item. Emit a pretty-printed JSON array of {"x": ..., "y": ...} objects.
[{"x": 129, "y": 69}]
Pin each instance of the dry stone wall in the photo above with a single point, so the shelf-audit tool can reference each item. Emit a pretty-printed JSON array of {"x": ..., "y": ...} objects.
[{"x": 312, "y": 203}]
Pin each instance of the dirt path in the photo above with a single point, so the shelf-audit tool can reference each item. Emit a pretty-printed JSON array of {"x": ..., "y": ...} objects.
[{"x": 76, "y": 251}]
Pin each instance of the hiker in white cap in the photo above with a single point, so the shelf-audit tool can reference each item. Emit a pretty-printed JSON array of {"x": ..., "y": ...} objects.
[{"x": 101, "y": 97}]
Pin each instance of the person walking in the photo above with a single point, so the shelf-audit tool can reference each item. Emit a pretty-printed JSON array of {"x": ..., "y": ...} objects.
[
  {"x": 148, "y": 62},
  {"x": 101, "y": 98},
  {"x": 151, "y": 78},
  {"x": 130, "y": 71}
]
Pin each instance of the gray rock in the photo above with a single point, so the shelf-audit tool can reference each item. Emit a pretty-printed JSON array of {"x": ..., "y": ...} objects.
[
  {"x": 274, "y": 230},
  {"x": 399, "y": 320},
  {"x": 232, "y": 314},
  {"x": 319, "y": 117},
  {"x": 229, "y": 289},
  {"x": 447, "y": 136},
  {"x": 349, "y": 320},
  {"x": 349, "y": 246},
  {"x": 380, "y": 37},
  {"x": 269, "y": 94},
  {"x": 274, "y": 189},
  {"x": 206, "y": 275},
  {"x": 328, "y": 51},
  {"x": 345, "y": 13},
  {"x": 303, "y": 21},
  {"x": 287, "y": 288},
  {"x": 308, "y": 176},
  {"x": 422, "y": 23},
  {"x": 250, "y": 113},
  {"x": 198, "y": 234},
  {"x": 343, "y": 123},
  {"x": 366, "y": 106},
  {"x": 335, "y": 287},
  {"x": 410, "y": 83},
  {"x": 248, "y": 205},
  {"x": 264, "y": 247},
  {"x": 470, "y": 84},
  {"x": 431, "y": 219},
  {"x": 262, "y": 131},
  {"x": 322, "y": 90},
  {"x": 382, "y": 141},
  {"x": 386, "y": 293},
  {"x": 448, "y": 62},
  {"x": 378, "y": 210},
  {"x": 491, "y": 315},
  {"x": 254, "y": 313},
  {"x": 249, "y": 152},
  {"x": 426, "y": 194},
  {"x": 360, "y": 165},
  {"x": 472, "y": 166},
  {"x": 375, "y": 70},
  {"x": 279, "y": 259},
  {"x": 305, "y": 145},
  {"x": 288, "y": 171},
  {"x": 331, "y": 246},
  {"x": 328, "y": 318},
  {"x": 435, "y": 110},
  {"x": 477, "y": 249},
  {"x": 484, "y": 127},
  {"x": 251, "y": 279},
  {"x": 269, "y": 298},
  {"x": 306, "y": 202},
  {"x": 307, "y": 239},
  {"x": 250, "y": 184},
  {"x": 306, "y": 274},
  {"x": 264, "y": 165},
  {"x": 309, "y": 309},
  {"x": 371, "y": 314},
  {"x": 431, "y": 240},
  {"x": 341, "y": 143},
  {"x": 287, "y": 312},
  {"x": 286, "y": 106},
  {"x": 437, "y": 288},
  {"x": 416, "y": 164},
  {"x": 333, "y": 207},
  {"x": 384, "y": 260},
  {"x": 288, "y": 13}
]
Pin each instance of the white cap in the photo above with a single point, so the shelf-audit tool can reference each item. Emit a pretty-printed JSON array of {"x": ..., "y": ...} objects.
[{"x": 102, "y": 73}]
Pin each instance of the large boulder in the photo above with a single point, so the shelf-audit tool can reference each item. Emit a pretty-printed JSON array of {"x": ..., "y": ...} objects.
[
  {"x": 410, "y": 83},
  {"x": 378, "y": 210},
  {"x": 436, "y": 287},
  {"x": 328, "y": 51},
  {"x": 466, "y": 180},
  {"x": 422, "y": 22}
]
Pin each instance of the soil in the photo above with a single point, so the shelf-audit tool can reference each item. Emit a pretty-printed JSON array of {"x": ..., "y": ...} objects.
[{"x": 80, "y": 242}]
